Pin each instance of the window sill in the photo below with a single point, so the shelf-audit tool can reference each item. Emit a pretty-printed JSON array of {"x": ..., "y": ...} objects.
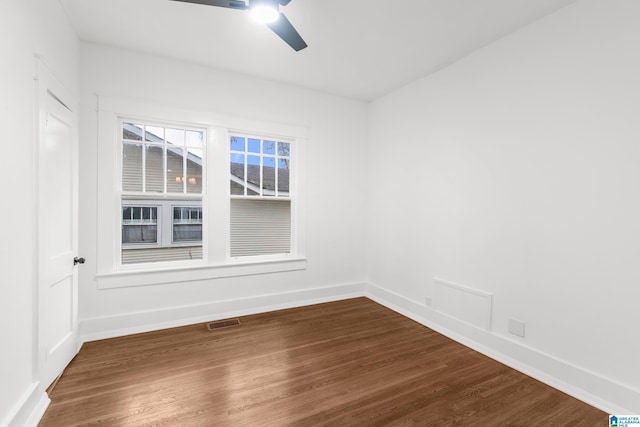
[{"x": 126, "y": 279}]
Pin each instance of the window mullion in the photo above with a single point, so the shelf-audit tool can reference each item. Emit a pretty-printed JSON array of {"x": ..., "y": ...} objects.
[
  {"x": 275, "y": 170},
  {"x": 165, "y": 154},
  {"x": 261, "y": 167},
  {"x": 168, "y": 223},
  {"x": 246, "y": 169},
  {"x": 144, "y": 164},
  {"x": 185, "y": 155}
]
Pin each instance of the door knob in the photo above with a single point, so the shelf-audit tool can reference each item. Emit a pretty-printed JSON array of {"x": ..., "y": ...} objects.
[{"x": 78, "y": 260}]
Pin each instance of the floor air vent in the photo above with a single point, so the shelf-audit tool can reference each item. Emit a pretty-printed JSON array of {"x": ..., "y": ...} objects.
[{"x": 221, "y": 324}]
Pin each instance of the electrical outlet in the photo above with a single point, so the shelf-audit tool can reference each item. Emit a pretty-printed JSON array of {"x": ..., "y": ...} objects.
[{"x": 516, "y": 327}]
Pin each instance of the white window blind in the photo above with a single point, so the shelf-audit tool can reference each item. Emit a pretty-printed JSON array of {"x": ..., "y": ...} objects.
[{"x": 260, "y": 227}]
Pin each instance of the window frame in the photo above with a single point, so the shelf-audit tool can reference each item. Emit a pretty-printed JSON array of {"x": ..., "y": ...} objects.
[
  {"x": 216, "y": 262},
  {"x": 291, "y": 194},
  {"x": 164, "y": 199}
]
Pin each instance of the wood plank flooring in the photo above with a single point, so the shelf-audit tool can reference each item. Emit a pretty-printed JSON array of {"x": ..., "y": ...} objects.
[{"x": 343, "y": 363}]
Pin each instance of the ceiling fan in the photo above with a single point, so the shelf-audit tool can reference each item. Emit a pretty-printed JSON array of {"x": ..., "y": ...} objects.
[{"x": 267, "y": 11}]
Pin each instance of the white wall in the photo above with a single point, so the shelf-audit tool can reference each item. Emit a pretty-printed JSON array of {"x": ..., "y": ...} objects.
[
  {"x": 335, "y": 193},
  {"x": 516, "y": 171},
  {"x": 26, "y": 28}
]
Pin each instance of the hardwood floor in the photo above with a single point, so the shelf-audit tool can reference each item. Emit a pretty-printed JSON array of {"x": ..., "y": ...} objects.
[{"x": 350, "y": 362}]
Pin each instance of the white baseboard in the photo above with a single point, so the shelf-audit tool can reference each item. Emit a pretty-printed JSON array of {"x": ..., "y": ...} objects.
[
  {"x": 38, "y": 411},
  {"x": 144, "y": 321},
  {"x": 28, "y": 411},
  {"x": 596, "y": 390}
]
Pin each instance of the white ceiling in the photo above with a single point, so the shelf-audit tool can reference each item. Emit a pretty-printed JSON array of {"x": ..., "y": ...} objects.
[{"x": 360, "y": 49}]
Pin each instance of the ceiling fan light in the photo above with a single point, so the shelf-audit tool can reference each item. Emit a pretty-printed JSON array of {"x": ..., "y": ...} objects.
[{"x": 264, "y": 13}]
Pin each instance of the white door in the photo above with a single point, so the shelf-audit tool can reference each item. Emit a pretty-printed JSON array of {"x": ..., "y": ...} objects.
[{"x": 57, "y": 227}]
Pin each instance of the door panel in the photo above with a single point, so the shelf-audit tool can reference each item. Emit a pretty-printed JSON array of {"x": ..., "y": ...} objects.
[
  {"x": 57, "y": 191},
  {"x": 60, "y": 300},
  {"x": 57, "y": 168}
]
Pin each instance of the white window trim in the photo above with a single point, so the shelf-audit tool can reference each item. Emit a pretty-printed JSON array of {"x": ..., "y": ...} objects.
[{"x": 216, "y": 262}]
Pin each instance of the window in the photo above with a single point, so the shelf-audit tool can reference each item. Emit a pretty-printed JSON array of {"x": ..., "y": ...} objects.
[
  {"x": 187, "y": 224},
  {"x": 139, "y": 224},
  {"x": 162, "y": 182},
  {"x": 259, "y": 178},
  {"x": 189, "y": 199}
]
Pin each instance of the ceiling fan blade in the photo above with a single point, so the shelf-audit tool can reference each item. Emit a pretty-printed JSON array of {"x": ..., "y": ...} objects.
[
  {"x": 283, "y": 28},
  {"x": 230, "y": 4},
  {"x": 284, "y": 2}
]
